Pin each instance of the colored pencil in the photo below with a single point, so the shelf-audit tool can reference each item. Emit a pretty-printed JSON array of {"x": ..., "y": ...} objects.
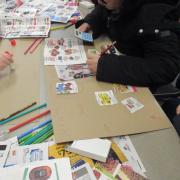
[
  {"x": 30, "y": 136},
  {"x": 43, "y": 137},
  {"x": 13, "y": 114},
  {"x": 38, "y": 42},
  {"x": 57, "y": 27},
  {"x": 30, "y": 46},
  {"x": 37, "y": 135},
  {"x": 108, "y": 48},
  {"x": 23, "y": 113},
  {"x": 33, "y": 129},
  {"x": 28, "y": 121}
]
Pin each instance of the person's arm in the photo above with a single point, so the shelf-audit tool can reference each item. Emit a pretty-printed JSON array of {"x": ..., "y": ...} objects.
[
  {"x": 158, "y": 66},
  {"x": 96, "y": 21}
]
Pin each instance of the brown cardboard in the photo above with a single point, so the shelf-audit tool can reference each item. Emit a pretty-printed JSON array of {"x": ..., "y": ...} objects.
[{"x": 79, "y": 116}]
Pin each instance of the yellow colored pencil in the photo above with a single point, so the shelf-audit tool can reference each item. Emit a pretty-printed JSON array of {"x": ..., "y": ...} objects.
[{"x": 57, "y": 27}]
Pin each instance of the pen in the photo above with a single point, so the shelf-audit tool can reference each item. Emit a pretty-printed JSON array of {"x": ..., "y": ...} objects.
[{"x": 108, "y": 48}]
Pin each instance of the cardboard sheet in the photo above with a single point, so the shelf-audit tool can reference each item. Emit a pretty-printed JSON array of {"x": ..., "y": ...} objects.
[{"x": 79, "y": 116}]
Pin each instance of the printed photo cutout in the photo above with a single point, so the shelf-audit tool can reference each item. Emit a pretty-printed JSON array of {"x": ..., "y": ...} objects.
[{"x": 132, "y": 104}]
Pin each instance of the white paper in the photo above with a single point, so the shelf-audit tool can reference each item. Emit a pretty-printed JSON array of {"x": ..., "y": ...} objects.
[
  {"x": 56, "y": 169},
  {"x": 32, "y": 153},
  {"x": 12, "y": 155},
  {"x": 64, "y": 51},
  {"x": 125, "y": 144},
  {"x": 4, "y": 150},
  {"x": 71, "y": 72}
]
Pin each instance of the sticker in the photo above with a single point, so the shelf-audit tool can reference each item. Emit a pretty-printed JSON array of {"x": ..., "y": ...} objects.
[
  {"x": 132, "y": 104},
  {"x": 123, "y": 88},
  {"x": 69, "y": 87},
  {"x": 84, "y": 35},
  {"x": 105, "y": 98}
]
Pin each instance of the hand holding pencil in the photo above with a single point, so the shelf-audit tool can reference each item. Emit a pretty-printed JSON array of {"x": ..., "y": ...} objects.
[{"x": 92, "y": 59}]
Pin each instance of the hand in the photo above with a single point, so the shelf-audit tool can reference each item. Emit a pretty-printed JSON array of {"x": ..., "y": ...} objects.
[
  {"x": 4, "y": 62},
  {"x": 178, "y": 109},
  {"x": 92, "y": 62},
  {"x": 85, "y": 27}
]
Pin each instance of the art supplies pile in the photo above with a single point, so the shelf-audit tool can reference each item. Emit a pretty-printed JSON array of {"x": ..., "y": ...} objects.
[
  {"x": 11, "y": 27},
  {"x": 118, "y": 160}
]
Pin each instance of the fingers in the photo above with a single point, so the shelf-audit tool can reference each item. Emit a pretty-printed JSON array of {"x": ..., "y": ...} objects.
[
  {"x": 178, "y": 110},
  {"x": 3, "y": 65},
  {"x": 84, "y": 27}
]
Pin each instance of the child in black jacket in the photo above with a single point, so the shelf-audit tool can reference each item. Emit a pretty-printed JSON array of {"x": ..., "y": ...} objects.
[{"x": 146, "y": 31}]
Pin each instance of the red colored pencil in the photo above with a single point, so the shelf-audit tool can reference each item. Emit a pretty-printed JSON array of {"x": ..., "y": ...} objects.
[
  {"x": 30, "y": 46},
  {"x": 108, "y": 48},
  {"x": 33, "y": 48},
  {"x": 28, "y": 121}
]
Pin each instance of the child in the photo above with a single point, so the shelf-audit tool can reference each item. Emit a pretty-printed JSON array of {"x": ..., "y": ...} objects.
[{"x": 146, "y": 31}]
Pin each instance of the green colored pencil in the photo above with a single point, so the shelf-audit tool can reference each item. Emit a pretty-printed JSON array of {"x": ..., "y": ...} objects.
[
  {"x": 44, "y": 137},
  {"x": 23, "y": 113},
  {"x": 37, "y": 135}
]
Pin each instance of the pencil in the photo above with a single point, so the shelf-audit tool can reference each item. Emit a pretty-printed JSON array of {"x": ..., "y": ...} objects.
[
  {"x": 108, "y": 48},
  {"x": 23, "y": 113},
  {"x": 28, "y": 121},
  {"x": 57, "y": 27},
  {"x": 33, "y": 129},
  {"x": 28, "y": 106},
  {"x": 33, "y": 48},
  {"x": 30, "y": 46},
  {"x": 43, "y": 137},
  {"x": 37, "y": 135}
]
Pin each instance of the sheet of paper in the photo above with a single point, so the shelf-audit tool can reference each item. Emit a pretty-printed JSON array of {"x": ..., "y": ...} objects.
[
  {"x": 13, "y": 27},
  {"x": 83, "y": 172},
  {"x": 57, "y": 169},
  {"x": 64, "y": 51},
  {"x": 60, "y": 12},
  {"x": 71, "y": 72},
  {"x": 32, "y": 153},
  {"x": 125, "y": 144},
  {"x": 12, "y": 155},
  {"x": 4, "y": 150}
]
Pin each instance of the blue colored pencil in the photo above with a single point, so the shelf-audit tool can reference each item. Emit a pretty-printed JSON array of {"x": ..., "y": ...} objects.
[
  {"x": 23, "y": 113},
  {"x": 34, "y": 128}
]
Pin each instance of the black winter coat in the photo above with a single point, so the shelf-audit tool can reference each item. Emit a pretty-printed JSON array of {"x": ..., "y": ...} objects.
[{"x": 147, "y": 32}]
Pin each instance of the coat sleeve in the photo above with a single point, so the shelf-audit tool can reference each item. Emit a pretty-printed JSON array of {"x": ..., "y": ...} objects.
[
  {"x": 159, "y": 65},
  {"x": 97, "y": 20}
]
